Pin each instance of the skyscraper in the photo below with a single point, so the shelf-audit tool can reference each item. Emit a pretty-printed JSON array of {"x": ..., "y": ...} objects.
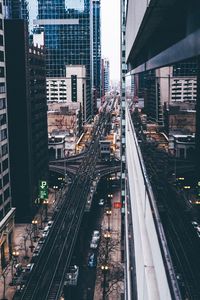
[
  {"x": 6, "y": 210},
  {"x": 105, "y": 76},
  {"x": 97, "y": 49},
  {"x": 68, "y": 38},
  {"x": 15, "y": 9},
  {"x": 27, "y": 111}
]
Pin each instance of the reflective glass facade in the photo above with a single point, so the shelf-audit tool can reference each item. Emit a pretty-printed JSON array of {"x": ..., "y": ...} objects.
[
  {"x": 97, "y": 46},
  {"x": 15, "y": 9},
  {"x": 68, "y": 38}
]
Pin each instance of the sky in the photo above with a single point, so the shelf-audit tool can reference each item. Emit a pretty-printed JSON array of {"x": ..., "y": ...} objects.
[{"x": 110, "y": 29}]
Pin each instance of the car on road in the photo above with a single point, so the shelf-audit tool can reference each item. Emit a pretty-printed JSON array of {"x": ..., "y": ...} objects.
[
  {"x": 46, "y": 229},
  {"x": 36, "y": 253},
  {"x": 27, "y": 270},
  {"x": 29, "y": 267},
  {"x": 45, "y": 233},
  {"x": 92, "y": 262},
  {"x": 41, "y": 241},
  {"x": 101, "y": 202},
  {"x": 50, "y": 223}
]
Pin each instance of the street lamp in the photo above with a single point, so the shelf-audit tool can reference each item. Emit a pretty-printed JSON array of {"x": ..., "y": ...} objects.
[
  {"x": 34, "y": 223},
  {"x": 55, "y": 187},
  {"x": 45, "y": 202},
  {"x": 15, "y": 255},
  {"x": 108, "y": 213},
  {"x": 104, "y": 269},
  {"x": 187, "y": 190},
  {"x": 107, "y": 236}
]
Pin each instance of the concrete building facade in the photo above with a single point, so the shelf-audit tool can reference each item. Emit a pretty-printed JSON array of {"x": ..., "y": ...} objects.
[
  {"x": 7, "y": 213},
  {"x": 64, "y": 118},
  {"x": 25, "y": 72},
  {"x": 71, "y": 88}
]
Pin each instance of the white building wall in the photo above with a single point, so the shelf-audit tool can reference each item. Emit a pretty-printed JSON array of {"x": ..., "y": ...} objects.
[
  {"x": 151, "y": 277},
  {"x": 59, "y": 89},
  {"x": 183, "y": 89},
  {"x": 38, "y": 39},
  {"x": 164, "y": 75}
]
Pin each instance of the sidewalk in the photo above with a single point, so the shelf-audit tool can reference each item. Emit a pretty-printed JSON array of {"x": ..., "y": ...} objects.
[
  {"x": 24, "y": 246},
  {"x": 114, "y": 277}
]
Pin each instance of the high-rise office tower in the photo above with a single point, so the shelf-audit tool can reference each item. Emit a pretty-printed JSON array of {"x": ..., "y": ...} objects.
[
  {"x": 68, "y": 38},
  {"x": 27, "y": 117},
  {"x": 6, "y": 210},
  {"x": 16, "y": 9},
  {"x": 97, "y": 50},
  {"x": 105, "y": 67},
  {"x": 106, "y": 75}
]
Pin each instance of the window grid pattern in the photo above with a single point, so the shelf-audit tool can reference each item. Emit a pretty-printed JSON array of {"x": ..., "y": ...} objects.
[{"x": 68, "y": 44}]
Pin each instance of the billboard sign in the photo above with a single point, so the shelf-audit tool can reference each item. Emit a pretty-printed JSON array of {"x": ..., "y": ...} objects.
[{"x": 43, "y": 189}]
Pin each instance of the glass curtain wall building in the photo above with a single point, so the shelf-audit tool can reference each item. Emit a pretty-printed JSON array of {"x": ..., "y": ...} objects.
[
  {"x": 16, "y": 9},
  {"x": 97, "y": 48},
  {"x": 68, "y": 30}
]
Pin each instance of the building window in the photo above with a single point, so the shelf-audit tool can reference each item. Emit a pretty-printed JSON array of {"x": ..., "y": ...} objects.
[
  {"x": 7, "y": 208},
  {"x": 5, "y": 179},
  {"x": 1, "y": 40},
  {"x": 3, "y": 134},
  {"x": 2, "y": 119},
  {"x": 1, "y": 55},
  {"x": 2, "y": 88},
  {"x": 4, "y": 149},
  {"x": 6, "y": 194},
  {"x": 74, "y": 87},
  {"x": 5, "y": 164},
  {"x": 2, "y": 73},
  {"x": 1, "y": 214},
  {"x": 2, "y": 101}
]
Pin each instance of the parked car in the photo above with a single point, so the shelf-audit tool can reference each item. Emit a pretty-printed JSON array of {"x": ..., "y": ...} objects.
[
  {"x": 36, "y": 252},
  {"x": 46, "y": 229},
  {"x": 29, "y": 267},
  {"x": 41, "y": 241},
  {"x": 26, "y": 272},
  {"x": 50, "y": 223}
]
